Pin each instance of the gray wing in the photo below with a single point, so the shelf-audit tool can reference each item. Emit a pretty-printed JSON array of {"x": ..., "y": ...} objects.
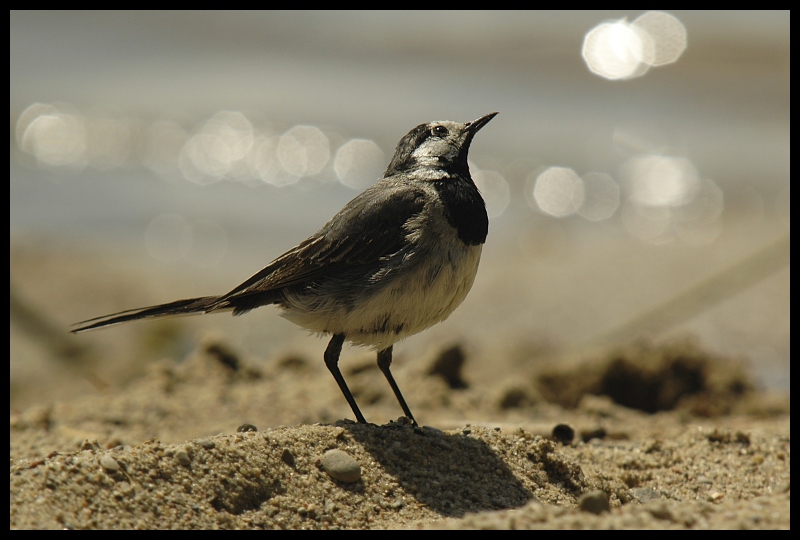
[{"x": 369, "y": 227}]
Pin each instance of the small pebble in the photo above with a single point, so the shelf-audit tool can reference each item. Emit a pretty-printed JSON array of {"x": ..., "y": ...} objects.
[
  {"x": 341, "y": 466},
  {"x": 563, "y": 433},
  {"x": 183, "y": 457},
  {"x": 595, "y": 502},
  {"x": 287, "y": 457},
  {"x": 245, "y": 428},
  {"x": 109, "y": 463}
]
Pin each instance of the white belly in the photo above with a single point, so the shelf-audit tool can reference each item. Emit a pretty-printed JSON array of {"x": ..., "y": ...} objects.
[{"x": 411, "y": 302}]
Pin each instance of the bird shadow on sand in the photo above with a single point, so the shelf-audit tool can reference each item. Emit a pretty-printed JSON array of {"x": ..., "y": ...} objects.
[{"x": 452, "y": 474}]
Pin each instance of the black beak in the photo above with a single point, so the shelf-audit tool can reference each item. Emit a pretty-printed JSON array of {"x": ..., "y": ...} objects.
[{"x": 476, "y": 125}]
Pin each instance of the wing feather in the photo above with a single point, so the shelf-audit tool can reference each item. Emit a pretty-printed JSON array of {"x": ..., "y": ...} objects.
[{"x": 368, "y": 228}]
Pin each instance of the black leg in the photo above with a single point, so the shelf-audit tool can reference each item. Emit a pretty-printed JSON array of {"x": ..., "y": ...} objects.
[
  {"x": 332, "y": 361},
  {"x": 385, "y": 362}
]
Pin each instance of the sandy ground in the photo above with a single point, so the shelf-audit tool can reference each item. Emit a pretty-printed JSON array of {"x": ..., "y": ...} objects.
[{"x": 650, "y": 435}]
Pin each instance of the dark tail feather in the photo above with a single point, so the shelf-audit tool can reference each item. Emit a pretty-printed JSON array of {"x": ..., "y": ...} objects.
[{"x": 179, "y": 307}]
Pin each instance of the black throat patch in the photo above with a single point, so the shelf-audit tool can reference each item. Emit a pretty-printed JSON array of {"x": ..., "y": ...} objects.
[{"x": 464, "y": 208}]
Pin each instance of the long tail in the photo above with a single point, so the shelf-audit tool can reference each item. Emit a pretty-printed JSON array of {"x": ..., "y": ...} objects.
[{"x": 203, "y": 304}]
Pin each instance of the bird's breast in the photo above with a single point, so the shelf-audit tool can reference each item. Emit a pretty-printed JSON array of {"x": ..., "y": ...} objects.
[{"x": 414, "y": 300}]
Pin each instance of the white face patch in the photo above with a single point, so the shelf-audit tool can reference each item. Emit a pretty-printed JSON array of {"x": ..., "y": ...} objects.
[
  {"x": 439, "y": 150},
  {"x": 435, "y": 150}
]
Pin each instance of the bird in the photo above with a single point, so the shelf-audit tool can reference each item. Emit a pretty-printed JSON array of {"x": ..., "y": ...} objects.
[{"x": 397, "y": 259}]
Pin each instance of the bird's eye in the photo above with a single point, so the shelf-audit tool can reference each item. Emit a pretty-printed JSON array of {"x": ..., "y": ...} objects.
[{"x": 439, "y": 131}]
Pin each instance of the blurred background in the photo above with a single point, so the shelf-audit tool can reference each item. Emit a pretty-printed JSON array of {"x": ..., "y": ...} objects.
[{"x": 637, "y": 176}]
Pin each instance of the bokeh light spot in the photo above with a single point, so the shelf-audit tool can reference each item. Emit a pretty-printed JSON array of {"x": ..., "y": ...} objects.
[
  {"x": 661, "y": 180},
  {"x": 558, "y": 191},
  {"x": 54, "y": 134},
  {"x": 358, "y": 163},
  {"x": 601, "y": 197},
  {"x": 213, "y": 150},
  {"x": 622, "y": 50},
  {"x": 303, "y": 150}
]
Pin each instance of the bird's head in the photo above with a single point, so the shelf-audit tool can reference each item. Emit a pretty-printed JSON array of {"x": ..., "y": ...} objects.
[{"x": 439, "y": 146}]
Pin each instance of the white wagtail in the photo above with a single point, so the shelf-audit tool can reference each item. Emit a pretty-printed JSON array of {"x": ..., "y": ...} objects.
[{"x": 397, "y": 259}]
